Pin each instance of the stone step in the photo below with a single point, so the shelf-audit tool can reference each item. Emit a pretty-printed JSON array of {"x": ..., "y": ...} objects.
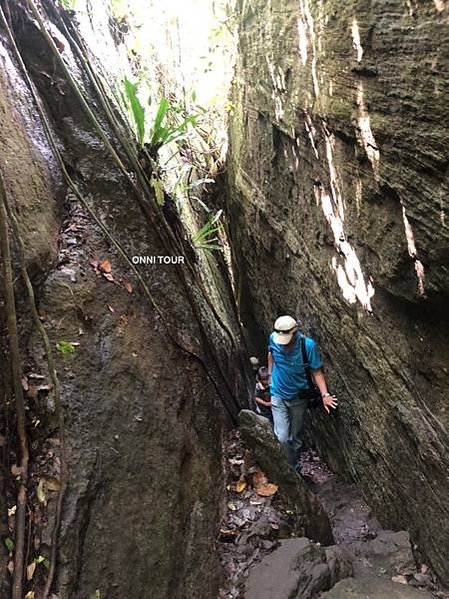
[{"x": 372, "y": 588}]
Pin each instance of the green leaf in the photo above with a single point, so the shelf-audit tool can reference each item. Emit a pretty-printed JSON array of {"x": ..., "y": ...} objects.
[
  {"x": 137, "y": 110},
  {"x": 65, "y": 347},
  {"x": 156, "y": 184},
  {"x": 162, "y": 110},
  {"x": 204, "y": 239},
  {"x": 9, "y": 544},
  {"x": 42, "y": 560},
  {"x": 163, "y": 134},
  {"x": 68, "y": 4}
]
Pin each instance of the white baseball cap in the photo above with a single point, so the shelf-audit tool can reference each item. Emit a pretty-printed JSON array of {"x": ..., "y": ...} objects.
[{"x": 284, "y": 327}]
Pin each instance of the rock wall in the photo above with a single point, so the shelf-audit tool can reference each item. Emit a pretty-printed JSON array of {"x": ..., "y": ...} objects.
[
  {"x": 338, "y": 186},
  {"x": 144, "y": 414}
]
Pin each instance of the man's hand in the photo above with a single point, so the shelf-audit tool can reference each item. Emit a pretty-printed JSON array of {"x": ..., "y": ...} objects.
[{"x": 330, "y": 401}]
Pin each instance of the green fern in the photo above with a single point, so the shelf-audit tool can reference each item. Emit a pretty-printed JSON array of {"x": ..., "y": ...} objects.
[
  {"x": 138, "y": 111},
  {"x": 205, "y": 238},
  {"x": 160, "y": 134}
]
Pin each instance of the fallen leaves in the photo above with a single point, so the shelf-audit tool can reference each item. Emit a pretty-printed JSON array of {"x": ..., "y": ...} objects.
[
  {"x": 103, "y": 268},
  {"x": 40, "y": 492},
  {"x": 260, "y": 483},
  {"x": 127, "y": 285},
  {"x": 259, "y": 478},
  {"x": 400, "y": 578},
  {"x": 251, "y": 525},
  {"x": 30, "y": 570},
  {"x": 266, "y": 490},
  {"x": 240, "y": 486},
  {"x": 16, "y": 470}
]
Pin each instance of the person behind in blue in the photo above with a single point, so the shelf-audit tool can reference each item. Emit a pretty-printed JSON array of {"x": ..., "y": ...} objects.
[{"x": 289, "y": 384}]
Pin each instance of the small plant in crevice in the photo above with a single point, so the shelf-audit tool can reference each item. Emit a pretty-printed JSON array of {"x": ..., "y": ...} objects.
[
  {"x": 160, "y": 133},
  {"x": 65, "y": 347},
  {"x": 206, "y": 238}
]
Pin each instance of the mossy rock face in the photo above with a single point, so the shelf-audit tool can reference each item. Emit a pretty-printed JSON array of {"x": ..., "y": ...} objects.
[{"x": 337, "y": 181}]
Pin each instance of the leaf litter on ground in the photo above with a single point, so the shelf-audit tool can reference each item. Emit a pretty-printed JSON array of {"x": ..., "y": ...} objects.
[{"x": 253, "y": 520}]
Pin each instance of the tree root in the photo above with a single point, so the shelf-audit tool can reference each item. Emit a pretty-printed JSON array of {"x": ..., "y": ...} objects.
[
  {"x": 16, "y": 369},
  {"x": 56, "y": 394}
]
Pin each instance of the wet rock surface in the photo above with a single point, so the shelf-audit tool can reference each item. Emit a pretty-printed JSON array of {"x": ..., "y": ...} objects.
[{"x": 337, "y": 170}]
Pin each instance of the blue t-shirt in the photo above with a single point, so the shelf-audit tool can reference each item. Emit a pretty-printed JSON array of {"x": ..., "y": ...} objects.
[{"x": 288, "y": 375}]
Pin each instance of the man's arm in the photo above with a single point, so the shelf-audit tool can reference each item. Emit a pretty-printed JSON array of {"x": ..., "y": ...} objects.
[
  {"x": 329, "y": 401},
  {"x": 270, "y": 363}
]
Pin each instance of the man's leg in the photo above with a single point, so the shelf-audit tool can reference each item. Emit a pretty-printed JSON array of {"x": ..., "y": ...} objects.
[
  {"x": 282, "y": 427},
  {"x": 297, "y": 409}
]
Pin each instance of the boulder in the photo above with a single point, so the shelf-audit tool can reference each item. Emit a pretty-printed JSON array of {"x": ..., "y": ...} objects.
[
  {"x": 297, "y": 569},
  {"x": 390, "y": 553},
  {"x": 373, "y": 588},
  {"x": 259, "y": 438}
]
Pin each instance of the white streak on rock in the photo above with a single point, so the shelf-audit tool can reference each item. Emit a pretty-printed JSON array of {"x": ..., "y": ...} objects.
[
  {"x": 358, "y": 194},
  {"x": 356, "y": 40},
  {"x": 278, "y": 86},
  {"x": 441, "y": 5},
  {"x": 366, "y": 134},
  {"x": 419, "y": 269},
  {"x": 335, "y": 188},
  {"x": 310, "y": 24},
  {"x": 411, "y": 247},
  {"x": 350, "y": 277},
  {"x": 302, "y": 41},
  {"x": 310, "y": 129}
]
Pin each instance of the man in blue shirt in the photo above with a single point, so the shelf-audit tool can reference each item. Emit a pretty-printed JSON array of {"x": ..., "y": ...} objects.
[{"x": 289, "y": 384}]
